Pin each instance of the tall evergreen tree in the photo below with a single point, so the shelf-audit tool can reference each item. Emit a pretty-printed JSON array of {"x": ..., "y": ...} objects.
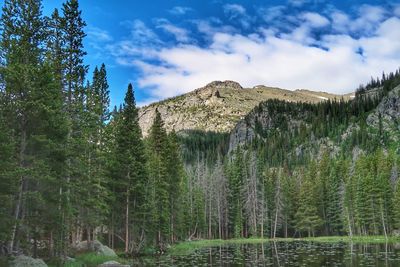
[
  {"x": 307, "y": 216},
  {"x": 131, "y": 177},
  {"x": 158, "y": 171},
  {"x": 34, "y": 109},
  {"x": 72, "y": 33},
  {"x": 21, "y": 37}
]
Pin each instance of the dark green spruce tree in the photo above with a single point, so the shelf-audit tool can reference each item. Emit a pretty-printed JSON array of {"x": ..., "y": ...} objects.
[
  {"x": 131, "y": 175},
  {"x": 158, "y": 173},
  {"x": 34, "y": 111}
]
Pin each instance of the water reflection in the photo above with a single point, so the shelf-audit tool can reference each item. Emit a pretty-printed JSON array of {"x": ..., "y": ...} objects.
[{"x": 284, "y": 254}]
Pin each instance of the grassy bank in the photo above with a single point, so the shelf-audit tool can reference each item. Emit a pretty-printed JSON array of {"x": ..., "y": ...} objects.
[
  {"x": 189, "y": 246},
  {"x": 88, "y": 260}
]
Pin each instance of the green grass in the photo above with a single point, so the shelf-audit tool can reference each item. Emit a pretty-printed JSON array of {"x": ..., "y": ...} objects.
[
  {"x": 88, "y": 260},
  {"x": 187, "y": 247}
]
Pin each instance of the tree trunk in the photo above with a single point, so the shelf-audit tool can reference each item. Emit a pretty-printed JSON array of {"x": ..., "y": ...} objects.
[
  {"x": 350, "y": 230},
  {"x": 276, "y": 221},
  {"x": 18, "y": 206},
  {"x": 383, "y": 223},
  {"x": 127, "y": 222},
  {"x": 209, "y": 217}
]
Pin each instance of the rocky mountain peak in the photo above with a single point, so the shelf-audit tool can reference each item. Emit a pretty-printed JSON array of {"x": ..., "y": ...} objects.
[
  {"x": 224, "y": 84},
  {"x": 218, "y": 106}
]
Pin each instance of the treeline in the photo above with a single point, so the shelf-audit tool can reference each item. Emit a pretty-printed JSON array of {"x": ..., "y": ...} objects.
[
  {"x": 386, "y": 83},
  {"x": 243, "y": 195},
  {"x": 71, "y": 170},
  {"x": 313, "y": 169}
]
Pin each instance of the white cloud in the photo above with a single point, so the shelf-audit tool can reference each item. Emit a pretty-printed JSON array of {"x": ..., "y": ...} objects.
[
  {"x": 234, "y": 10},
  {"x": 180, "y": 10},
  {"x": 274, "y": 61},
  {"x": 337, "y": 60},
  {"x": 141, "y": 34},
  {"x": 396, "y": 10},
  {"x": 300, "y": 3},
  {"x": 340, "y": 21},
  {"x": 297, "y": 3},
  {"x": 97, "y": 34},
  {"x": 141, "y": 42},
  {"x": 181, "y": 34},
  {"x": 271, "y": 13},
  {"x": 209, "y": 27},
  {"x": 314, "y": 20},
  {"x": 238, "y": 13},
  {"x": 369, "y": 18}
]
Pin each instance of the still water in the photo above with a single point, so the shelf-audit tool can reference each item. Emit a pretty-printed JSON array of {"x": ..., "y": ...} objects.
[{"x": 284, "y": 254}]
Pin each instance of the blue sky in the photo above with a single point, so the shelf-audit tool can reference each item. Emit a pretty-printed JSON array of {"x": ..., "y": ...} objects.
[{"x": 166, "y": 48}]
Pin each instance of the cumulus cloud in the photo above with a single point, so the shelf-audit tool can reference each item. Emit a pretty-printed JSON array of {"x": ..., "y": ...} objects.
[
  {"x": 238, "y": 13},
  {"x": 397, "y": 10},
  {"x": 336, "y": 60},
  {"x": 97, "y": 34},
  {"x": 141, "y": 34},
  {"x": 314, "y": 19},
  {"x": 297, "y": 3},
  {"x": 142, "y": 42},
  {"x": 180, "y": 10},
  {"x": 271, "y": 13},
  {"x": 181, "y": 34},
  {"x": 234, "y": 10},
  {"x": 300, "y": 3}
]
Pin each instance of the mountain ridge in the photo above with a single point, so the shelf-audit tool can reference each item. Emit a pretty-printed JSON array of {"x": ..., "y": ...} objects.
[{"x": 219, "y": 105}]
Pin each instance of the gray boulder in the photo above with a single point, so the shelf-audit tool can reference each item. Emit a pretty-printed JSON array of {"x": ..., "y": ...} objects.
[
  {"x": 95, "y": 246},
  {"x": 87, "y": 246},
  {"x": 26, "y": 261},
  {"x": 112, "y": 264},
  {"x": 106, "y": 251},
  {"x": 396, "y": 233}
]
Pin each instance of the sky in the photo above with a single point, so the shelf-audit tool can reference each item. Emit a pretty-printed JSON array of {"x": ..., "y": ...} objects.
[{"x": 167, "y": 48}]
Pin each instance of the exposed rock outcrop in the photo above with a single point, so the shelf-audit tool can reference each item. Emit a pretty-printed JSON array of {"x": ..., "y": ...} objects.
[
  {"x": 387, "y": 114},
  {"x": 26, "y": 261},
  {"x": 219, "y": 106},
  {"x": 94, "y": 246},
  {"x": 112, "y": 264},
  {"x": 385, "y": 118}
]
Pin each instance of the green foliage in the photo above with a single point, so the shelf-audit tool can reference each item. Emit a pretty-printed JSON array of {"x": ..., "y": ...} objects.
[{"x": 70, "y": 170}]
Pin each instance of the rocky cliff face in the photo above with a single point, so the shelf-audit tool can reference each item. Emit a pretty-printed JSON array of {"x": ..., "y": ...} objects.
[
  {"x": 219, "y": 106},
  {"x": 388, "y": 112},
  {"x": 386, "y": 115}
]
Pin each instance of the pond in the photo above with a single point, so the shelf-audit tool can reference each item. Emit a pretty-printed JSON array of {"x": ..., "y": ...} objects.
[{"x": 295, "y": 253}]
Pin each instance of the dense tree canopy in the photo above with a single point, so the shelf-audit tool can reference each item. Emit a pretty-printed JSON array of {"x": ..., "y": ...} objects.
[{"x": 71, "y": 170}]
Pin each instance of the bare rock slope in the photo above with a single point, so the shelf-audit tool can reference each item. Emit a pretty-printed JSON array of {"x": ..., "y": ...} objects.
[{"x": 218, "y": 106}]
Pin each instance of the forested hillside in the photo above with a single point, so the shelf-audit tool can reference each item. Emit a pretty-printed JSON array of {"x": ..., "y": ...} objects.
[
  {"x": 72, "y": 170},
  {"x": 301, "y": 169}
]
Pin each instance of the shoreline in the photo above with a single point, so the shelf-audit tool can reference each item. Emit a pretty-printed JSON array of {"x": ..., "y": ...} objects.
[{"x": 189, "y": 246}]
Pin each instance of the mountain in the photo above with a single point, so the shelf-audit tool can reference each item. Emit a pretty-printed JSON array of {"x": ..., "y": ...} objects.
[
  {"x": 326, "y": 124},
  {"x": 218, "y": 106}
]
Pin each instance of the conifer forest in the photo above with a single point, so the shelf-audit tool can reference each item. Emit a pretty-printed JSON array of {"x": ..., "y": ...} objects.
[{"x": 73, "y": 168}]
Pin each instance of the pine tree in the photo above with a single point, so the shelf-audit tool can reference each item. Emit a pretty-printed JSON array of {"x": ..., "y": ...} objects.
[
  {"x": 175, "y": 176},
  {"x": 307, "y": 216},
  {"x": 236, "y": 177},
  {"x": 334, "y": 203},
  {"x": 35, "y": 111},
  {"x": 396, "y": 206},
  {"x": 72, "y": 24},
  {"x": 8, "y": 177},
  {"x": 131, "y": 176},
  {"x": 158, "y": 170},
  {"x": 21, "y": 37}
]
